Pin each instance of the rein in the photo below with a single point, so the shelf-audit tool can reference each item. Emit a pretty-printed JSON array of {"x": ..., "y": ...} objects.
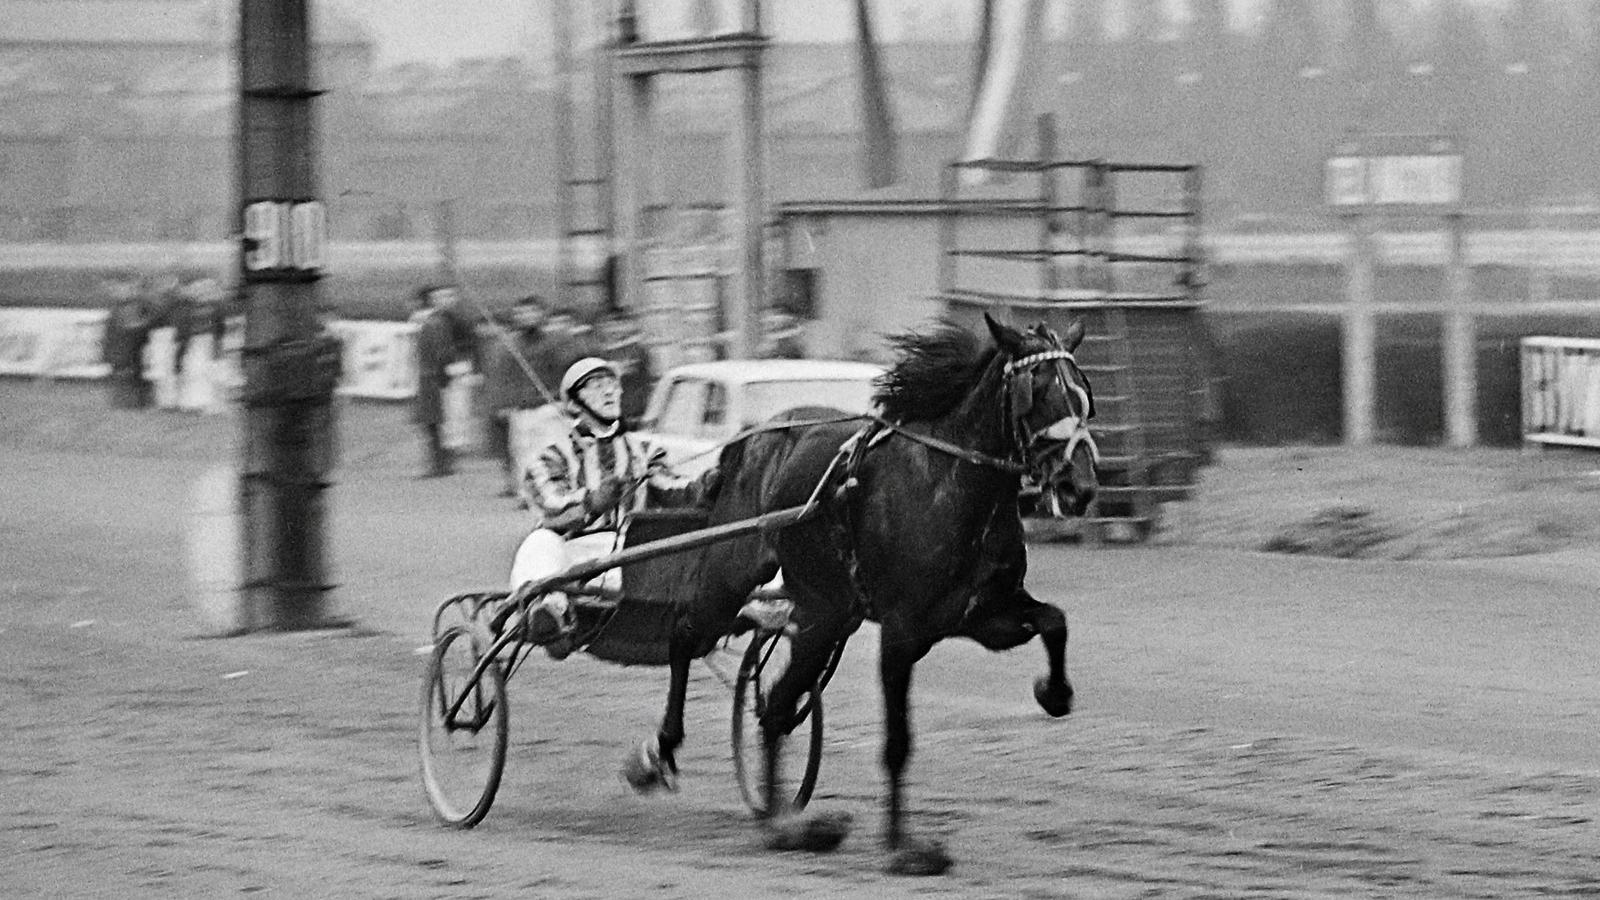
[
  {"x": 777, "y": 426},
  {"x": 976, "y": 457}
]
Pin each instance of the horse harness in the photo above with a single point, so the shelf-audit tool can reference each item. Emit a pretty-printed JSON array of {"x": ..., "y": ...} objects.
[{"x": 1019, "y": 400}]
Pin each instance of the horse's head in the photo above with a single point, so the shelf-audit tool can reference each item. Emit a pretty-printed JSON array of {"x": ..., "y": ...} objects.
[{"x": 1048, "y": 403}]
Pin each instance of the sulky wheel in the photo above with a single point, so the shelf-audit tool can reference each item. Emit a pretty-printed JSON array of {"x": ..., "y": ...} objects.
[
  {"x": 463, "y": 730},
  {"x": 765, "y": 660}
]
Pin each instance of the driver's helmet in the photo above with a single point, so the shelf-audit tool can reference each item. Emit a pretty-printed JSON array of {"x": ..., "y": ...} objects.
[{"x": 580, "y": 372}]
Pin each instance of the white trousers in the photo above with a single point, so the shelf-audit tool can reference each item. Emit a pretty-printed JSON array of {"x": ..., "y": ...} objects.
[
  {"x": 197, "y": 389},
  {"x": 544, "y": 553},
  {"x": 161, "y": 366}
]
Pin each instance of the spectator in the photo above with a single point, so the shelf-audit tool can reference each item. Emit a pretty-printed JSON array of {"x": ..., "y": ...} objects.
[
  {"x": 330, "y": 354},
  {"x": 165, "y": 349},
  {"x": 437, "y": 347},
  {"x": 622, "y": 346},
  {"x": 127, "y": 331},
  {"x": 781, "y": 337},
  {"x": 516, "y": 379},
  {"x": 200, "y": 334},
  {"x": 567, "y": 340}
]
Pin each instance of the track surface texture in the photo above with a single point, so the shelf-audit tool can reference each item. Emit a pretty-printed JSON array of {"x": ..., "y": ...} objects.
[{"x": 1249, "y": 724}]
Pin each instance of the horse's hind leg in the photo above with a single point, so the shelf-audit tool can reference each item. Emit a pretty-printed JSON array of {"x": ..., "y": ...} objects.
[
  {"x": 810, "y": 652},
  {"x": 897, "y": 656}
]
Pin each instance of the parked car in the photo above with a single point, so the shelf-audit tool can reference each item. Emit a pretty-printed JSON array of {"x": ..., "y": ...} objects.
[{"x": 696, "y": 407}]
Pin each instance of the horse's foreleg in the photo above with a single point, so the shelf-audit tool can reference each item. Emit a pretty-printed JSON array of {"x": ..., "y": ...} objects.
[
  {"x": 1014, "y": 624},
  {"x": 1053, "y": 691}
]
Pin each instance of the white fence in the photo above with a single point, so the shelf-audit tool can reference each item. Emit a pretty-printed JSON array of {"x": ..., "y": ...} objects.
[
  {"x": 56, "y": 343},
  {"x": 379, "y": 357},
  {"x": 1561, "y": 391}
]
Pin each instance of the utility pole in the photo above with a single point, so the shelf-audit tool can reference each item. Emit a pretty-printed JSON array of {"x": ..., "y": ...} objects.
[{"x": 288, "y": 368}]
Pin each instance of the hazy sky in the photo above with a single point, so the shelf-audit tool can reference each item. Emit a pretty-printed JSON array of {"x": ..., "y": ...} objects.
[{"x": 443, "y": 30}]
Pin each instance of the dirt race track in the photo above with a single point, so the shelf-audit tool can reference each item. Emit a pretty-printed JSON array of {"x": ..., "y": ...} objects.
[{"x": 1249, "y": 725}]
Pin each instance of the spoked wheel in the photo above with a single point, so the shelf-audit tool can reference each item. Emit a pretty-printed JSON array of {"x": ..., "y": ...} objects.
[
  {"x": 765, "y": 661},
  {"x": 464, "y": 728}
]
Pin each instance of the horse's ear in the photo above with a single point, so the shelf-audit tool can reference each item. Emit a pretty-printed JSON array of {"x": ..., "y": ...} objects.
[
  {"x": 1074, "y": 335},
  {"x": 1006, "y": 338}
]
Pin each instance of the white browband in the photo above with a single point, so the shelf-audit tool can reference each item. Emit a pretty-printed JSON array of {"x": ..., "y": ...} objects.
[{"x": 1036, "y": 358}]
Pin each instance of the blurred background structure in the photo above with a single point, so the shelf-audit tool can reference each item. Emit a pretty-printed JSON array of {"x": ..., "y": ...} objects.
[
  {"x": 116, "y": 143},
  {"x": 116, "y": 115}
]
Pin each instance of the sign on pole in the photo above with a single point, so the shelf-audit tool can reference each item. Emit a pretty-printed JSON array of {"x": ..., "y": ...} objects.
[
  {"x": 1394, "y": 170},
  {"x": 1402, "y": 173}
]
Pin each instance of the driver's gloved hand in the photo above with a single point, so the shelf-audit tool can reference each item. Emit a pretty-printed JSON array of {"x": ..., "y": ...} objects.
[{"x": 605, "y": 496}]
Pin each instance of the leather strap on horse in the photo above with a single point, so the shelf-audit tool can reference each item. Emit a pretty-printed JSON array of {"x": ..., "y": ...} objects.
[
  {"x": 976, "y": 457},
  {"x": 852, "y": 452},
  {"x": 786, "y": 425}
]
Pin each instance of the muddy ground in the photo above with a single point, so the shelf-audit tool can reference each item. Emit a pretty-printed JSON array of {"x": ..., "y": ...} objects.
[{"x": 1404, "y": 723}]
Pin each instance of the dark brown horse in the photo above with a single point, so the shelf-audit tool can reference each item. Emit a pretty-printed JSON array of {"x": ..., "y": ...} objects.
[{"x": 919, "y": 531}]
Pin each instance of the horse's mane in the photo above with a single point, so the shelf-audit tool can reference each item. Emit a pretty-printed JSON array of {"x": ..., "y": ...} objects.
[{"x": 935, "y": 371}]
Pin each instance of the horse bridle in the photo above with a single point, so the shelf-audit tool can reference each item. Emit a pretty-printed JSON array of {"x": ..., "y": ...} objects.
[{"x": 1072, "y": 430}]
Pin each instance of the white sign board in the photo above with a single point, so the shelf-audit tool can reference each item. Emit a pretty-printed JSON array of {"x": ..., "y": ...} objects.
[
  {"x": 380, "y": 358},
  {"x": 1561, "y": 391},
  {"x": 1394, "y": 170},
  {"x": 55, "y": 343}
]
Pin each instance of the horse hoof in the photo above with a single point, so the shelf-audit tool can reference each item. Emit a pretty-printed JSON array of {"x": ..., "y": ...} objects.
[
  {"x": 816, "y": 833},
  {"x": 646, "y": 770},
  {"x": 920, "y": 858},
  {"x": 1055, "y": 699}
]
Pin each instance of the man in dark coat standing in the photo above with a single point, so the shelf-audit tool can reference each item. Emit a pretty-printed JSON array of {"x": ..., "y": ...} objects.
[
  {"x": 623, "y": 347},
  {"x": 515, "y": 358},
  {"x": 127, "y": 330},
  {"x": 437, "y": 348}
]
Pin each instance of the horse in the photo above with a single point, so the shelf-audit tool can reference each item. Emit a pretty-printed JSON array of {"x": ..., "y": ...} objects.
[{"x": 919, "y": 530}]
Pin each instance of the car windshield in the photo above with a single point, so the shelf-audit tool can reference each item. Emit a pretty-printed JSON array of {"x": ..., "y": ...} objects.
[{"x": 765, "y": 399}]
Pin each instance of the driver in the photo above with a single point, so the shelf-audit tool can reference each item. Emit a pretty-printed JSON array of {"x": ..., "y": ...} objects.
[{"x": 581, "y": 485}]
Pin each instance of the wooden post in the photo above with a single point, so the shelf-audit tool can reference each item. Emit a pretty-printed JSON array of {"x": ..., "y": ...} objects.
[
  {"x": 1360, "y": 337},
  {"x": 287, "y": 390},
  {"x": 949, "y": 180},
  {"x": 444, "y": 236},
  {"x": 748, "y": 297},
  {"x": 605, "y": 152},
  {"x": 1460, "y": 343},
  {"x": 561, "y": 137},
  {"x": 1108, "y": 229},
  {"x": 1193, "y": 271},
  {"x": 635, "y": 148},
  {"x": 1049, "y": 221}
]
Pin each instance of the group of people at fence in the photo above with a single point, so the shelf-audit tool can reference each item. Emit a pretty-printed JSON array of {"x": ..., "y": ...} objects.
[
  {"x": 164, "y": 340},
  {"x": 484, "y": 379},
  {"x": 515, "y": 361}
]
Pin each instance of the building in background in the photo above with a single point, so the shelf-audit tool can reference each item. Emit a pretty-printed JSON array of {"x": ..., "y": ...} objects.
[{"x": 116, "y": 116}]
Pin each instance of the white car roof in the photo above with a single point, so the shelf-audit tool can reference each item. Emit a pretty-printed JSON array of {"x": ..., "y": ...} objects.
[{"x": 748, "y": 370}]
